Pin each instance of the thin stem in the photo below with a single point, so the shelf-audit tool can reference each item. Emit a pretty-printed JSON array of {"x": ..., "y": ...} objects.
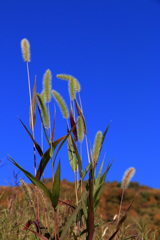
[
  {"x": 32, "y": 127},
  {"x": 87, "y": 148},
  {"x": 75, "y": 182},
  {"x": 81, "y": 160},
  {"x": 80, "y": 101},
  {"x": 56, "y": 225},
  {"x": 120, "y": 205},
  {"x": 50, "y": 142}
]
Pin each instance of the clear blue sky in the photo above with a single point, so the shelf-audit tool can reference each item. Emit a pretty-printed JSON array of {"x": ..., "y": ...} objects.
[{"x": 113, "y": 48}]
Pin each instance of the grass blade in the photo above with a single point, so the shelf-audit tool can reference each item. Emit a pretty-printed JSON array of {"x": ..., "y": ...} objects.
[
  {"x": 71, "y": 154},
  {"x": 78, "y": 157},
  {"x": 42, "y": 121},
  {"x": 63, "y": 142},
  {"x": 56, "y": 187},
  {"x": 36, "y": 144},
  {"x": 46, "y": 157},
  {"x": 72, "y": 122},
  {"x": 33, "y": 179},
  {"x": 43, "y": 109}
]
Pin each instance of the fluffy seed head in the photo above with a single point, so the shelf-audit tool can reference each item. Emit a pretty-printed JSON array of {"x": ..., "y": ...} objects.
[
  {"x": 61, "y": 103},
  {"x": 27, "y": 191},
  {"x": 41, "y": 197},
  {"x": 68, "y": 78},
  {"x": 127, "y": 177},
  {"x": 80, "y": 129},
  {"x": 25, "y": 46},
  {"x": 71, "y": 89},
  {"x": 47, "y": 84},
  {"x": 97, "y": 144}
]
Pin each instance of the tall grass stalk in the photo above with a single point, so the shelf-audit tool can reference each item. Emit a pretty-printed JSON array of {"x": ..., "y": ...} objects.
[{"x": 125, "y": 182}]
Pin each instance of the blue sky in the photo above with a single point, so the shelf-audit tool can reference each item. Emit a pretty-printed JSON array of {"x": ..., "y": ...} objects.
[{"x": 113, "y": 48}]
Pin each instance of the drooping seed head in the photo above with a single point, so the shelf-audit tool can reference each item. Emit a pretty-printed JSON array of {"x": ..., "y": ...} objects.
[
  {"x": 47, "y": 84},
  {"x": 25, "y": 47},
  {"x": 61, "y": 103},
  {"x": 127, "y": 177},
  {"x": 68, "y": 78},
  {"x": 97, "y": 144}
]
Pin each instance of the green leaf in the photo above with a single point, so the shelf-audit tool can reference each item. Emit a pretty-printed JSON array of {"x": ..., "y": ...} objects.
[
  {"x": 43, "y": 109},
  {"x": 103, "y": 137},
  {"x": 85, "y": 211},
  {"x": 36, "y": 144},
  {"x": 84, "y": 174},
  {"x": 42, "y": 121},
  {"x": 78, "y": 157},
  {"x": 63, "y": 142},
  {"x": 56, "y": 187},
  {"x": 99, "y": 188},
  {"x": 34, "y": 180},
  {"x": 46, "y": 158},
  {"x": 71, "y": 154},
  {"x": 99, "y": 175}
]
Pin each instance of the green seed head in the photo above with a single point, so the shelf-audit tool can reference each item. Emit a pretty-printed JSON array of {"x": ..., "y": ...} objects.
[
  {"x": 80, "y": 129},
  {"x": 47, "y": 84},
  {"x": 97, "y": 144},
  {"x": 61, "y": 103}
]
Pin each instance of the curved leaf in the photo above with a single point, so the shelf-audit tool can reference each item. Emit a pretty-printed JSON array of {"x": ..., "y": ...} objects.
[
  {"x": 34, "y": 180},
  {"x": 71, "y": 154},
  {"x": 78, "y": 157},
  {"x": 36, "y": 144},
  {"x": 56, "y": 187},
  {"x": 46, "y": 157}
]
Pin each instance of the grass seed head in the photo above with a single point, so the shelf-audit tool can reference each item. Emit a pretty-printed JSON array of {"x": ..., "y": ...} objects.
[
  {"x": 25, "y": 46},
  {"x": 61, "y": 103},
  {"x": 67, "y": 77},
  {"x": 80, "y": 129},
  {"x": 47, "y": 84},
  {"x": 71, "y": 89},
  {"x": 97, "y": 144},
  {"x": 27, "y": 191},
  {"x": 127, "y": 177}
]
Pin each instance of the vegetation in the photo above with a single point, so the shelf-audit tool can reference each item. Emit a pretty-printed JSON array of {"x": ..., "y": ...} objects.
[{"x": 40, "y": 209}]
